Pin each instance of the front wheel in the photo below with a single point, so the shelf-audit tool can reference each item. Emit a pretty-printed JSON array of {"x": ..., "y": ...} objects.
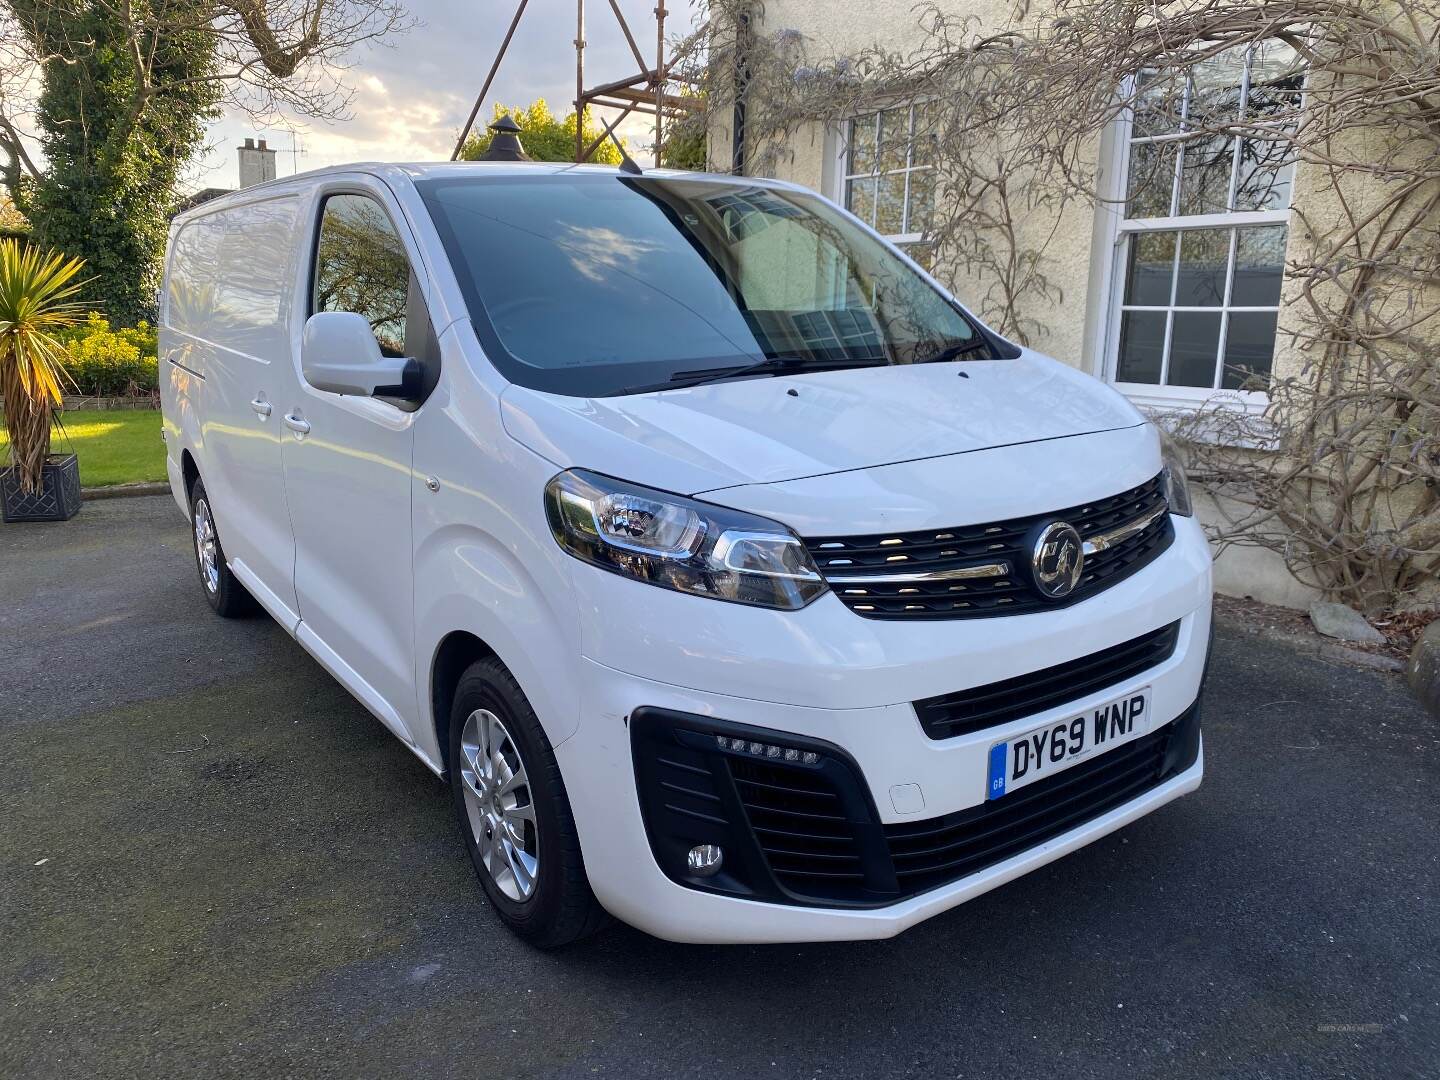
[{"x": 514, "y": 814}]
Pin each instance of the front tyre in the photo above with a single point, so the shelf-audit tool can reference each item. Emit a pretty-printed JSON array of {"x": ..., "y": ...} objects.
[
  {"x": 510, "y": 801},
  {"x": 222, "y": 589}
]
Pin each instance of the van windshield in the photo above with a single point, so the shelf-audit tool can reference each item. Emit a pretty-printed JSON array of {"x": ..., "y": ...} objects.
[{"x": 596, "y": 285}]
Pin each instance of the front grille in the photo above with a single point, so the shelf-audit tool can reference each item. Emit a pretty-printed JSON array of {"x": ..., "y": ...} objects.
[
  {"x": 995, "y": 703},
  {"x": 996, "y": 554},
  {"x": 810, "y": 834},
  {"x": 930, "y": 853}
]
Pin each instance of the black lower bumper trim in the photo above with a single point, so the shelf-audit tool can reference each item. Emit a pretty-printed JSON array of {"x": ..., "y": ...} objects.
[{"x": 796, "y": 823}]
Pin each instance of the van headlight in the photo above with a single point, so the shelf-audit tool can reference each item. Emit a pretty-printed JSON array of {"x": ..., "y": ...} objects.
[
  {"x": 1173, "y": 481},
  {"x": 679, "y": 543}
]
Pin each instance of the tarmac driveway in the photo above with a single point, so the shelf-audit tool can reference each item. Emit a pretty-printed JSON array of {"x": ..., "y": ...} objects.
[{"x": 214, "y": 863}]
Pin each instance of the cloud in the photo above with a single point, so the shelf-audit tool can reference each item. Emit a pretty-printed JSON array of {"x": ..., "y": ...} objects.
[{"x": 412, "y": 94}]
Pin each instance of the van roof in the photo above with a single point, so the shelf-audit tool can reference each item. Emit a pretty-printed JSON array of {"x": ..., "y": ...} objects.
[{"x": 422, "y": 170}]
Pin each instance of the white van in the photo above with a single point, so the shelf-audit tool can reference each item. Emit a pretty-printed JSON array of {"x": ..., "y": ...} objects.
[{"x": 742, "y": 583}]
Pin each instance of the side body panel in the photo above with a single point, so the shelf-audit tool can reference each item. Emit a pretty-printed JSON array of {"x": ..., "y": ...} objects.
[
  {"x": 225, "y": 350},
  {"x": 348, "y": 479}
]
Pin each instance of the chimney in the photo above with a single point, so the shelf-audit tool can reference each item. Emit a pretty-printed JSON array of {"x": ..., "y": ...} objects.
[
  {"x": 505, "y": 142},
  {"x": 257, "y": 163}
]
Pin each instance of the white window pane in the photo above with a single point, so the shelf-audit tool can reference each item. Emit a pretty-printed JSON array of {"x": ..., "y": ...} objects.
[
  {"x": 1194, "y": 345},
  {"x": 1151, "y": 270},
  {"x": 1276, "y": 100},
  {"x": 920, "y": 201},
  {"x": 1159, "y": 103},
  {"x": 894, "y": 138},
  {"x": 1259, "y": 266},
  {"x": 926, "y": 136},
  {"x": 1152, "y": 180},
  {"x": 1277, "y": 74},
  {"x": 1204, "y": 258},
  {"x": 1249, "y": 350},
  {"x": 1215, "y": 90},
  {"x": 1205, "y": 176},
  {"x": 1142, "y": 346},
  {"x": 860, "y": 199},
  {"x": 1263, "y": 180},
  {"x": 862, "y": 145},
  {"x": 890, "y": 204}
]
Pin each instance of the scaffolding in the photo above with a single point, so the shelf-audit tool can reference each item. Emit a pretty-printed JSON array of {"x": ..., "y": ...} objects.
[{"x": 646, "y": 92}]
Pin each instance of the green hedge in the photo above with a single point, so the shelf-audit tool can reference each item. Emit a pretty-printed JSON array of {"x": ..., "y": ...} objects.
[{"x": 111, "y": 363}]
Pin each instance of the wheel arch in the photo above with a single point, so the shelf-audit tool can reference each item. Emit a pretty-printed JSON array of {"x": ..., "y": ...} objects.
[
  {"x": 455, "y": 653},
  {"x": 189, "y": 471},
  {"x": 490, "y": 605}
]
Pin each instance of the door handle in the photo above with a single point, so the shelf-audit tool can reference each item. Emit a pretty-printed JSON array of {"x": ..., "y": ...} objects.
[
  {"x": 296, "y": 424},
  {"x": 261, "y": 406}
]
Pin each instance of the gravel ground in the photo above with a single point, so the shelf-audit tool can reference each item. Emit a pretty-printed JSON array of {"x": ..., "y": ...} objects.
[{"x": 214, "y": 863}]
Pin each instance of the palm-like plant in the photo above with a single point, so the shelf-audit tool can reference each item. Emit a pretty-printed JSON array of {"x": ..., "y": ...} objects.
[{"x": 37, "y": 291}]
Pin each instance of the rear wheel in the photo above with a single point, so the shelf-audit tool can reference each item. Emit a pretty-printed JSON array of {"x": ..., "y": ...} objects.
[
  {"x": 513, "y": 811},
  {"x": 224, "y": 592}
]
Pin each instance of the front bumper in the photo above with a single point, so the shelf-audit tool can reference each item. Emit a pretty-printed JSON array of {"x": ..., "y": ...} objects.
[
  {"x": 796, "y": 823},
  {"x": 905, "y": 776}
]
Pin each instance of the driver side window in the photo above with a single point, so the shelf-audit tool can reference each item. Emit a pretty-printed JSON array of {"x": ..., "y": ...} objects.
[{"x": 361, "y": 267}]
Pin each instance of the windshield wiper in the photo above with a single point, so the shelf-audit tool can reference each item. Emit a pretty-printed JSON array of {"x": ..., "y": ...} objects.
[
  {"x": 950, "y": 352},
  {"x": 779, "y": 365}
]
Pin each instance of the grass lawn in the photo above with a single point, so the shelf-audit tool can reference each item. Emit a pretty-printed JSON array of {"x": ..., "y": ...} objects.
[{"x": 119, "y": 446}]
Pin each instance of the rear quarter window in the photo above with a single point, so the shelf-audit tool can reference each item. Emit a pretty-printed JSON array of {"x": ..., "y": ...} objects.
[{"x": 232, "y": 277}]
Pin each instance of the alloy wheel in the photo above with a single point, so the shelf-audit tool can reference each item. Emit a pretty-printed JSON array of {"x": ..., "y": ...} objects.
[
  {"x": 206, "y": 548},
  {"x": 500, "y": 804}
]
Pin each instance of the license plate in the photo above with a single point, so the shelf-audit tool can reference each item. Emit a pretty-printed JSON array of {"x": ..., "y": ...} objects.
[{"x": 1045, "y": 751}]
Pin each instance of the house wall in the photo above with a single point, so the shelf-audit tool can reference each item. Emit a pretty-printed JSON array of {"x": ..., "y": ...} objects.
[{"x": 1078, "y": 252}]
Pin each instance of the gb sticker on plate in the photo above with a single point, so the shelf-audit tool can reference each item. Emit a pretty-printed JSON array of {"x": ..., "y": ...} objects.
[{"x": 996, "y": 786}]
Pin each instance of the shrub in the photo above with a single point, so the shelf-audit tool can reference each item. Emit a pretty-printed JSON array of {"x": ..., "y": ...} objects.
[
  {"x": 111, "y": 363},
  {"x": 37, "y": 301}
]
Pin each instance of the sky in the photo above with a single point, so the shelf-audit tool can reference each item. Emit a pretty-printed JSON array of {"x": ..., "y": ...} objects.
[{"x": 412, "y": 95}]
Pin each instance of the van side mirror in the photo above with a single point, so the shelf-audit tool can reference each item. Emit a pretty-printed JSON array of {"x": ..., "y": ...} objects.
[{"x": 339, "y": 353}]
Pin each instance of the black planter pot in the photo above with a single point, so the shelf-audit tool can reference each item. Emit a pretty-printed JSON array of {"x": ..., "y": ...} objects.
[{"x": 58, "y": 498}]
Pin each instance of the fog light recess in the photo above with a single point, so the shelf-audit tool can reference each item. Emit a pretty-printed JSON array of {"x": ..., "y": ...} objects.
[{"x": 704, "y": 859}]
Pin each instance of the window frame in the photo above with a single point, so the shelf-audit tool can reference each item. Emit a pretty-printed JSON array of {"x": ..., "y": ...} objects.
[
  {"x": 840, "y": 164},
  {"x": 1116, "y": 231}
]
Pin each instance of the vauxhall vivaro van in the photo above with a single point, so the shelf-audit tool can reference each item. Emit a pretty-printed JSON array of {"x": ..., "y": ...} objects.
[{"x": 740, "y": 582}]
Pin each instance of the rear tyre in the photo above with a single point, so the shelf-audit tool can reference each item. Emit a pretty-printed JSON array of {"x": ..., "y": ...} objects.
[
  {"x": 222, "y": 589},
  {"x": 514, "y": 814}
]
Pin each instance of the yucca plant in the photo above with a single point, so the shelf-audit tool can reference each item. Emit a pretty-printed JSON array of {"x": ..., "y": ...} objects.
[{"x": 37, "y": 290}]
